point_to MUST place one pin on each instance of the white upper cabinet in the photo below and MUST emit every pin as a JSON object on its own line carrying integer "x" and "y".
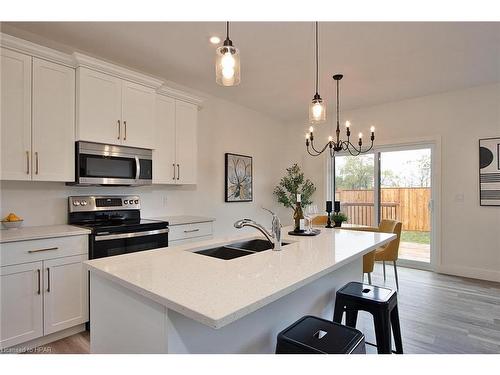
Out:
{"x": 176, "y": 132}
{"x": 138, "y": 113}
{"x": 15, "y": 83}
{"x": 38, "y": 119}
{"x": 53, "y": 122}
{"x": 114, "y": 111}
{"x": 99, "y": 108}
{"x": 164, "y": 168}
{"x": 186, "y": 119}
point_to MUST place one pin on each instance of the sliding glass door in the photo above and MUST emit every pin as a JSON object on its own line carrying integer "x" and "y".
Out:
{"x": 405, "y": 195}
{"x": 392, "y": 183}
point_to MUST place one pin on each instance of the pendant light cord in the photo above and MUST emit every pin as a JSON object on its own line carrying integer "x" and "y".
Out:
{"x": 338, "y": 104}
{"x": 317, "y": 64}
{"x": 227, "y": 30}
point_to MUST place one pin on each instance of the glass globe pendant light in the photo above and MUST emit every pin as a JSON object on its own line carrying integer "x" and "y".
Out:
{"x": 227, "y": 63}
{"x": 317, "y": 108}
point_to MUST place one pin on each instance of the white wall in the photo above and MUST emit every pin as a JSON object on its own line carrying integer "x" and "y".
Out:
{"x": 470, "y": 234}
{"x": 223, "y": 127}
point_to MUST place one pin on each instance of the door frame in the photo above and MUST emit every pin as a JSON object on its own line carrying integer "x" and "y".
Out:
{"x": 434, "y": 143}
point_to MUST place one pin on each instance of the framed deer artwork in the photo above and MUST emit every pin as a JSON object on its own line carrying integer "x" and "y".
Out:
{"x": 239, "y": 178}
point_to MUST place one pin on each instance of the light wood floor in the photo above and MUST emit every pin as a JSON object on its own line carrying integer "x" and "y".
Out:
{"x": 438, "y": 313}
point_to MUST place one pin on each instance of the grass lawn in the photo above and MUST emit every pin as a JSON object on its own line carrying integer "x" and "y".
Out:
{"x": 416, "y": 237}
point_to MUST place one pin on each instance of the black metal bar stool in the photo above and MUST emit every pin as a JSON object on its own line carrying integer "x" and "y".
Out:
{"x": 312, "y": 335}
{"x": 380, "y": 302}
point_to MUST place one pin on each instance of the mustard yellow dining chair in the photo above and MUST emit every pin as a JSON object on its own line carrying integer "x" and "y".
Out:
{"x": 320, "y": 220}
{"x": 388, "y": 252}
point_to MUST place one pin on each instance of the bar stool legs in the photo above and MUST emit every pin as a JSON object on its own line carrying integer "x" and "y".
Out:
{"x": 396, "y": 330}
{"x": 381, "y": 303}
{"x": 383, "y": 262}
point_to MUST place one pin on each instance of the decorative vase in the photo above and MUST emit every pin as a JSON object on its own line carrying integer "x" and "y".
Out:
{"x": 338, "y": 224}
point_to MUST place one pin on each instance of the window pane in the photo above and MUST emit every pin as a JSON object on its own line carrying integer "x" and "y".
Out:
{"x": 354, "y": 181}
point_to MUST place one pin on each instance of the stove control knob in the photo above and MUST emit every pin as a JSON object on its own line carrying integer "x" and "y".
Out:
{"x": 83, "y": 203}
{"x": 76, "y": 203}
{"x": 125, "y": 201}
{"x": 137, "y": 201}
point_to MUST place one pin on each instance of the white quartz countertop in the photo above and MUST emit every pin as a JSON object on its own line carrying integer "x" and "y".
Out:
{"x": 217, "y": 292}
{"x": 39, "y": 232}
{"x": 183, "y": 219}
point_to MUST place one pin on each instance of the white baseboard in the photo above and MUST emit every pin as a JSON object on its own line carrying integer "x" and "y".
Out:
{"x": 470, "y": 272}
{"x": 44, "y": 340}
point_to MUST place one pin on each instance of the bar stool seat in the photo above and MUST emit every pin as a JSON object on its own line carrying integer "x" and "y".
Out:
{"x": 380, "y": 302}
{"x": 313, "y": 335}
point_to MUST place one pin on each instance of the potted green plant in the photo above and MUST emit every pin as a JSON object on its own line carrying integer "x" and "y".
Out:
{"x": 290, "y": 185}
{"x": 338, "y": 218}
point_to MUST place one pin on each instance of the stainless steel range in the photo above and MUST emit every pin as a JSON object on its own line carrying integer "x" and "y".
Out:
{"x": 116, "y": 225}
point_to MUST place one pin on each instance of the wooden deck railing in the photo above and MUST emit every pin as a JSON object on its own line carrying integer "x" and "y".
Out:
{"x": 362, "y": 213}
{"x": 408, "y": 205}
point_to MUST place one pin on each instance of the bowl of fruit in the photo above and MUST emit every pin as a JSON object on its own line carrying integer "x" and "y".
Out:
{"x": 12, "y": 221}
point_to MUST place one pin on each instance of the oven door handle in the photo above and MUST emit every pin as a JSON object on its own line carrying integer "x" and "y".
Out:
{"x": 130, "y": 235}
{"x": 137, "y": 168}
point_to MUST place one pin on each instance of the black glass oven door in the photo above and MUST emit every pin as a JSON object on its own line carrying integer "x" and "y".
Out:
{"x": 104, "y": 246}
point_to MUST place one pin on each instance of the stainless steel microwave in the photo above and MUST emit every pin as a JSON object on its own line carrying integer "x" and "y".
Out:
{"x": 101, "y": 164}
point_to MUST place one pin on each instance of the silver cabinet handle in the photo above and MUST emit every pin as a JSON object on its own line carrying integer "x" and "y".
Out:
{"x": 173, "y": 165}
{"x": 178, "y": 171}
{"x": 36, "y": 162}
{"x": 39, "y": 250}
{"x": 27, "y": 162}
{"x": 192, "y": 230}
{"x": 119, "y": 130}
{"x": 48, "y": 280}
{"x": 125, "y": 135}
{"x": 39, "y": 282}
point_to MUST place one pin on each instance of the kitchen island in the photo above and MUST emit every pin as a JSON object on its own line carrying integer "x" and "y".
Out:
{"x": 173, "y": 300}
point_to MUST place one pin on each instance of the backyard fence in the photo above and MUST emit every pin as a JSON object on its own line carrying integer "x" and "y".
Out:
{"x": 408, "y": 205}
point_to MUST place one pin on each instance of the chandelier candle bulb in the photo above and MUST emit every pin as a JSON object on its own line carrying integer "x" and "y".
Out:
{"x": 330, "y": 138}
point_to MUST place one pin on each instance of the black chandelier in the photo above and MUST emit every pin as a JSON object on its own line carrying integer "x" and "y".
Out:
{"x": 339, "y": 145}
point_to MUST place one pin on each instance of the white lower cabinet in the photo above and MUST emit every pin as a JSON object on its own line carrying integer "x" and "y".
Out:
{"x": 65, "y": 293}
{"x": 186, "y": 233}
{"x": 46, "y": 295}
{"x": 21, "y": 317}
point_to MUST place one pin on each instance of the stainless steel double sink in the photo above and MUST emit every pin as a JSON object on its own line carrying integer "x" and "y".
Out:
{"x": 238, "y": 249}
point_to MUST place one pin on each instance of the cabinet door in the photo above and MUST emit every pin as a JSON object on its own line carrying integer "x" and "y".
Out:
{"x": 15, "y": 123}
{"x": 21, "y": 303}
{"x": 53, "y": 122}
{"x": 186, "y": 120}
{"x": 99, "y": 106}
{"x": 138, "y": 115}
{"x": 164, "y": 169}
{"x": 65, "y": 293}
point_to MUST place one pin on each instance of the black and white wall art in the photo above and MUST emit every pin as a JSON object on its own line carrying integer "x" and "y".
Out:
{"x": 239, "y": 178}
{"x": 489, "y": 171}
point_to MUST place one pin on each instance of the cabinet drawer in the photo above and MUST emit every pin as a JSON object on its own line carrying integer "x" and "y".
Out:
{"x": 185, "y": 231}
{"x": 48, "y": 248}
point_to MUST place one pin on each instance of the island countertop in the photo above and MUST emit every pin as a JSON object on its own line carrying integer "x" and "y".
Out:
{"x": 217, "y": 292}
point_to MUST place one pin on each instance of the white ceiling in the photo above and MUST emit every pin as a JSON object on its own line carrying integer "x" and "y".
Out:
{"x": 381, "y": 62}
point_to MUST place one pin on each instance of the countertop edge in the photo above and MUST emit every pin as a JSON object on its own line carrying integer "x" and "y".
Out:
{"x": 78, "y": 231}
{"x": 218, "y": 323}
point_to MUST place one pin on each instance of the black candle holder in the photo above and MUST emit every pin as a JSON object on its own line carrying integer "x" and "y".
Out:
{"x": 329, "y": 212}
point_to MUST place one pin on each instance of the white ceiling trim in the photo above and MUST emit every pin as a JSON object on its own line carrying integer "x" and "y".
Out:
{"x": 35, "y": 50}
{"x": 115, "y": 70}
{"x": 81, "y": 60}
